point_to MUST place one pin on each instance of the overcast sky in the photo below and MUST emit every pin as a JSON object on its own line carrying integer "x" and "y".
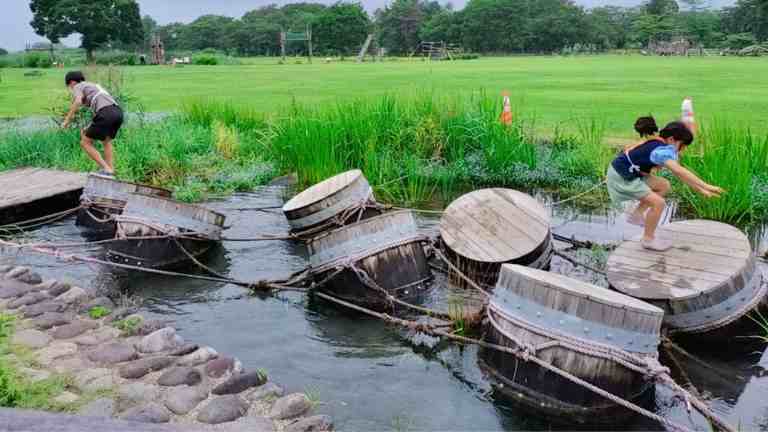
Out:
{"x": 15, "y": 30}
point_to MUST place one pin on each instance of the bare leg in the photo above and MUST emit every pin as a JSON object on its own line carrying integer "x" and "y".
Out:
{"x": 109, "y": 154}
{"x": 658, "y": 185}
{"x": 656, "y": 204}
{"x": 87, "y": 145}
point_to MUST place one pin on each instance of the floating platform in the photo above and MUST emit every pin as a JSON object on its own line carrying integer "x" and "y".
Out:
{"x": 706, "y": 284}
{"x": 28, "y": 193}
{"x": 486, "y": 228}
{"x": 575, "y": 326}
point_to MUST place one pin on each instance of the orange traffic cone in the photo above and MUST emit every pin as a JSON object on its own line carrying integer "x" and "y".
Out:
{"x": 506, "y": 114}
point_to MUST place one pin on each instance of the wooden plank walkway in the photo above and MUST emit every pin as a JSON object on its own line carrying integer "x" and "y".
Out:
{"x": 27, "y": 193}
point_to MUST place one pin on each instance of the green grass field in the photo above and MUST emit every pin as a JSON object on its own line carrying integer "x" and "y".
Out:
{"x": 553, "y": 90}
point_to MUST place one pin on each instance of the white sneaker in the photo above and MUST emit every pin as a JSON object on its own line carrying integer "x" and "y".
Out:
{"x": 632, "y": 216}
{"x": 657, "y": 245}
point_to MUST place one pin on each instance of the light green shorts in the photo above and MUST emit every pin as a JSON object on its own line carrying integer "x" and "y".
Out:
{"x": 621, "y": 189}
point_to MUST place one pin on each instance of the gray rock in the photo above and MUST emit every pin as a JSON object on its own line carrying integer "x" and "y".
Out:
{"x": 29, "y": 277}
{"x": 73, "y": 329}
{"x": 318, "y": 423}
{"x": 5, "y": 269}
{"x": 184, "y": 350}
{"x": 58, "y": 289}
{"x": 182, "y": 375}
{"x": 150, "y": 413}
{"x": 52, "y": 319}
{"x": 136, "y": 393}
{"x": 182, "y": 400}
{"x": 73, "y": 295}
{"x": 16, "y": 272}
{"x": 254, "y": 424}
{"x": 103, "y": 302}
{"x": 113, "y": 353}
{"x": 29, "y": 299}
{"x": 141, "y": 367}
{"x": 161, "y": 340}
{"x": 240, "y": 383}
{"x": 48, "y": 355}
{"x": 221, "y": 366}
{"x": 119, "y": 314}
{"x": 69, "y": 365}
{"x": 103, "y": 407}
{"x": 200, "y": 356}
{"x": 35, "y": 375}
{"x": 31, "y": 338}
{"x": 93, "y": 379}
{"x": 150, "y": 326}
{"x": 291, "y": 406}
{"x": 36, "y": 310}
{"x": 268, "y": 390}
{"x": 13, "y": 289}
{"x": 66, "y": 398}
{"x": 223, "y": 409}
{"x": 98, "y": 337}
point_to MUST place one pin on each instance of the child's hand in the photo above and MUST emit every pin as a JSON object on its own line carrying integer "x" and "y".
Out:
{"x": 710, "y": 191}
{"x": 65, "y": 125}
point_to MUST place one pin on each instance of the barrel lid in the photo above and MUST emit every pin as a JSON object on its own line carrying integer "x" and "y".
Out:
{"x": 574, "y": 287}
{"x": 182, "y": 215}
{"x": 322, "y": 190}
{"x": 494, "y": 225}
{"x": 100, "y": 186}
{"x": 706, "y": 255}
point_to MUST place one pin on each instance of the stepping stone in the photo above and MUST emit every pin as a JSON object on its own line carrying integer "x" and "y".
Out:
{"x": 36, "y": 310}
{"x": 240, "y": 383}
{"x": 35, "y": 375}
{"x": 253, "y": 424}
{"x": 94, "y": 380}
{"x": 136, "y": 393}
{"x": 202, "y": 355}
{"x": 119, "y": 314}
{"x": 17, "y": 272}
{"x": 150, "y": 413}
{"x": 223, "y": 409}
{"x": 73, "y": 329}
{"x": 58, "y": 289}
{"x": 103, "y": 407}
{"x": 182, "y": 400}
{"x": 184, "y": 350}
{"x": 98, "y": 337}
{"x": 164, "y": 339}
{"x": 52, "y": 319}
{"x": 319, "y": 423}
{"x": 291, "y": 406}
{"x": 29, "y": 277}
{"x": 268, "y": 390}
{"x": 48, "y": 355}
{"x": 221, "y": 366}
{"x": 151, "y": 326}
{"x": 28, "y": 299}
{"x": 139, "y": 368}
{"x": 73, "y": 295}
{"x": 31, "y": 339}
{"x": 113, "y": 353}
{"x": 69, "y": 365}
{"x": 66, "y": 398}
{"x": 11, "y": 289}
{"x": 182, "y": 375}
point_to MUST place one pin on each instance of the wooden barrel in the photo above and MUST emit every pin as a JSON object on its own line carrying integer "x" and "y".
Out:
{"x": 388, "y": 248}
{"x": 533, "y": 307}
{"x": 146, "y": 216}
{"x": 706, "y": 284}
{"x": 331, "y": 203}
{"x": 104, "y": 197}
{"x": 486, "y": 228}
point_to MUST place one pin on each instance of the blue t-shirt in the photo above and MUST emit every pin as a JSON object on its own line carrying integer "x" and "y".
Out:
{"x": 662, "y": 154}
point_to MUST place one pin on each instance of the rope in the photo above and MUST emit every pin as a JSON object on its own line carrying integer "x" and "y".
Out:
{"x": 577, "y": 196}
{"x": 458, "y": 272}
{"x": 44, "y": 220}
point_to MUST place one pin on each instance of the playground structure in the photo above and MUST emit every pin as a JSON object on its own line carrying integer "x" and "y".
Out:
{"x": 438, "y": 50}
{"x": 305, "y": 36}
{"x": 158, "y": 51}
{"x": 676, "y": 47}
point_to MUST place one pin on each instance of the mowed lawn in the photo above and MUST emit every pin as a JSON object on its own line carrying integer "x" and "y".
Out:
{"x": 551, "y": 90}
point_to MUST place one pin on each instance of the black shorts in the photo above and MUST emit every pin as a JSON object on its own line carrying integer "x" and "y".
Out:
{"x": 105, "y": 124}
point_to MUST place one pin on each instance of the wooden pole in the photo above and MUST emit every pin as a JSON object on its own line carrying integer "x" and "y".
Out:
{"x": 309, "y": 41}
{"x": 282, "y": 45}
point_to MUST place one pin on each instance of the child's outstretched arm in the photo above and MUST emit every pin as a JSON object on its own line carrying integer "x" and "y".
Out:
{"x": 693, "y": 180}
{"x": 71, "y": 114}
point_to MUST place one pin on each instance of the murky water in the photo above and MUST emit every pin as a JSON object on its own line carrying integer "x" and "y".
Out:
{"x": 370, "y": 376}
{"x": 42, "y": 122}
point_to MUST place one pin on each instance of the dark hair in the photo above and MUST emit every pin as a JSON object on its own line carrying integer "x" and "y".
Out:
{"x": 75, "y": 76}
{"x": 679, "y": 131}
{"x": 646, "y": 126}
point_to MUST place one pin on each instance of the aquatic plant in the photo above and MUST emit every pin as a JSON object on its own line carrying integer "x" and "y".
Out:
{"x": 129, "y": 326}
{"x": 98, "y": 312}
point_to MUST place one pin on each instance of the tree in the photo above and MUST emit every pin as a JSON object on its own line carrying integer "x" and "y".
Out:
{"x": 150, "y": 27}
{"x": 208, "y": 31}
{"x": 399, "y": 23}
{"x": 647, "y": 28}
{"x": 100, "y": 22}
{"x": 341, "y": 28}
{"x": 610, "y": 26}
{"x": 3, "y": 52}
{"x": 661, "y": 7}
{"x": 747, "y": 16}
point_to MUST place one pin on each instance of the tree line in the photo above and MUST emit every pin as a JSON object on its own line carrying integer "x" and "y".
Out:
{"x": 483, "y": 26}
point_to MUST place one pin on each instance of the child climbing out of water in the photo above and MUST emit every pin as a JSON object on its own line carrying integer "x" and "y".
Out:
{"x": 630, "y": 176}
{"x": 106, "y": 123}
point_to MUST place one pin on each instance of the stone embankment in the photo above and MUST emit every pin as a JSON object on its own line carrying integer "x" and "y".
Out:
{"x": 120, "y": 365}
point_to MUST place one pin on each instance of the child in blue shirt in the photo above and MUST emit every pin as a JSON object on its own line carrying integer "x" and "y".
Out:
{"x": 630, "y": 177}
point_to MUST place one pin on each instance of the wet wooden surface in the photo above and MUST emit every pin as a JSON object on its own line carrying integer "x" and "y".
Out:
{"x": 705, "y": 256}
{"x": 26, "y": 185}
{"x": 494, "y": 225}
{"x": 323, "y": 189}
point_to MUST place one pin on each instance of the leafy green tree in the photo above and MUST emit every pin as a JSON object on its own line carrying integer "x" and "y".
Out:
{"x": 610, "y": 26}
{"x": 446, "y": 26}
{"x": 100, "y": 22}
{"x": 150, "y": 27}
{"x": 3, "y": 52}
{"x": 661, "y": 7}
{"x": 747, "y": 16}
{"x": 341, "y": 28}
{"x": 647, "y": 28}
{"x": 208, "y": 31}
{"x": 740, "y": 40}
{"x": 400, "y": 22}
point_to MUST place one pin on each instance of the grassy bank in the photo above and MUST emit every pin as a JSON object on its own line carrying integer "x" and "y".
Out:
{"x": 554, "y": 89}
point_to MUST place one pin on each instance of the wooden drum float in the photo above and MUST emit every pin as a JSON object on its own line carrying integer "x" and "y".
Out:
{"x": 707, "y": 284}
{"x": 386, "y": 248}
{"x": 569, "y": 322}
{"x": 198, "y": 229}
{"x": 484, "y": 229}
{"x": 346, "y": 197}
{"x": 105, "y": 197}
